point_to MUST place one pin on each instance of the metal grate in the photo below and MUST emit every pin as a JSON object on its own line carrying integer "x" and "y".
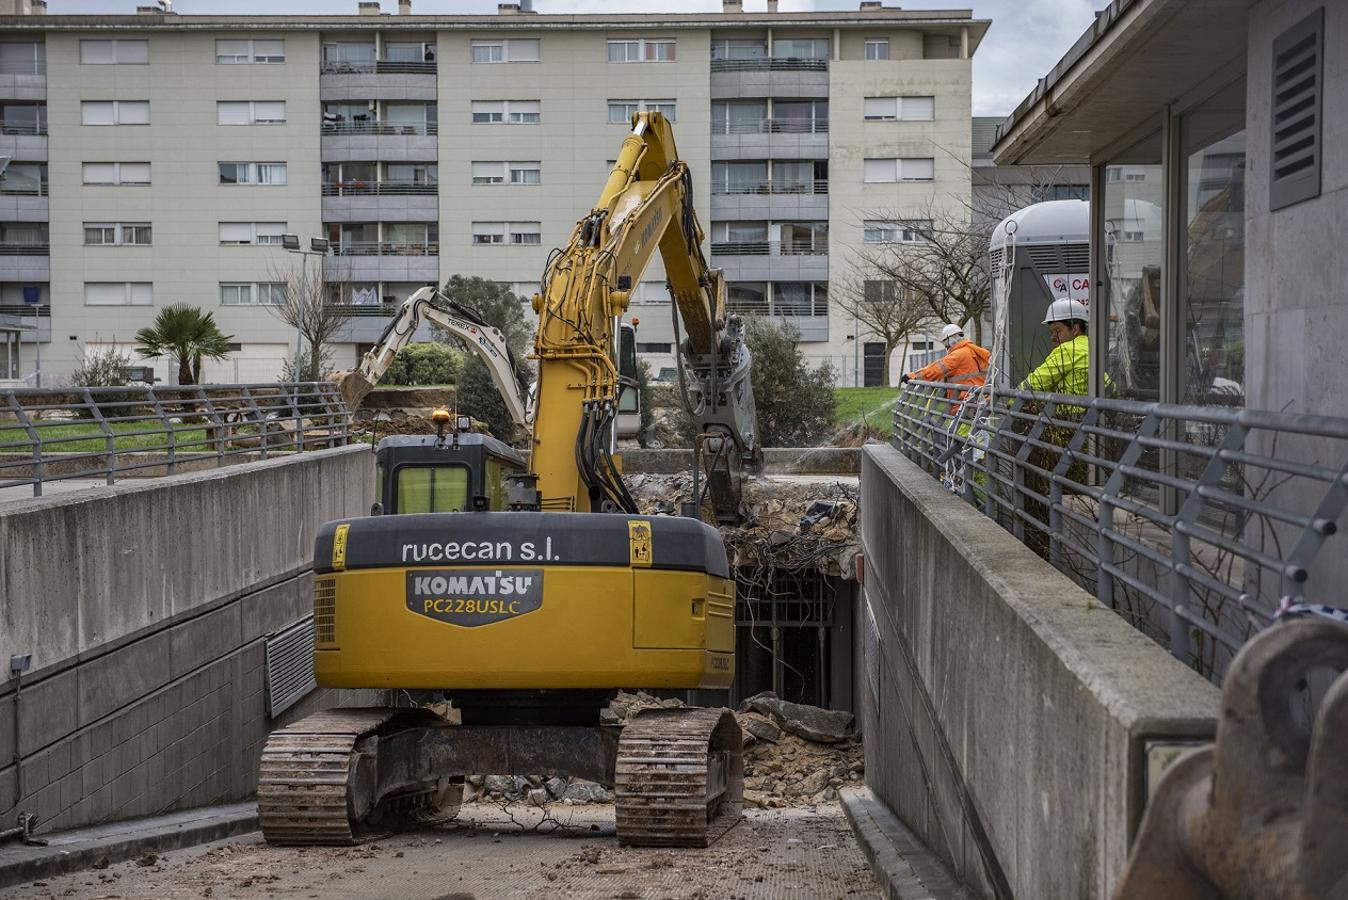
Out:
{"x": 1298, "y": 89}
{"x": 1065, "y": 258}
{"x": 290, "y": 666}
{"x": 325, "y": 610}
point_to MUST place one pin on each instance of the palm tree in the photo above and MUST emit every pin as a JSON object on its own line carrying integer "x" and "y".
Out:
{"x": 187, "y": 334}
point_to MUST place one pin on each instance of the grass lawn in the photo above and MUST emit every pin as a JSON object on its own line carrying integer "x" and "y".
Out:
{"x": 14, "y": 439}
{"x": 871, "y": 404}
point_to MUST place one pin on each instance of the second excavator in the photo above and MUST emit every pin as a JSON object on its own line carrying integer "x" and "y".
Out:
{"x": 526, "y": 593}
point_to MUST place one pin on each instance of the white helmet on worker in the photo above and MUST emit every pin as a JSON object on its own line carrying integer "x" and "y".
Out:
{"x": 1065, "y": 310}
{"x": 951, "y": 334}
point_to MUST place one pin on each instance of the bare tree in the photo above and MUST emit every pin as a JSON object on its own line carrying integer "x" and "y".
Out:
{"x": 886, "y": 311}
{"x": 316, "y": 307}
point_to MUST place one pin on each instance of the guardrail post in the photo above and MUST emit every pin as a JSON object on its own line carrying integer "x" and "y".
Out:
{"x": 217, "y": 424}
{"x": 170, "y": 436}
{"x": 1065, "y": 460}
{"x": 257, "y": 417}
{"x": 109, "y": 441}
{"x": 1104, "y": 547}
{"x": 33, "y": 437}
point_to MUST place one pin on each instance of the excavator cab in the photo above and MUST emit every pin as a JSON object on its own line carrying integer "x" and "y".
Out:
{"x": 629, "y": 395}
{"x": 458, "y": 472}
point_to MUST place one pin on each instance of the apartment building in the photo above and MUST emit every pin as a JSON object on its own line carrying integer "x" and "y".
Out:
{"x": 159, "y": 158}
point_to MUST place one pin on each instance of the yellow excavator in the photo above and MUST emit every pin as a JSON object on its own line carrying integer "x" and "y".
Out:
{"x": 527, "y": 593}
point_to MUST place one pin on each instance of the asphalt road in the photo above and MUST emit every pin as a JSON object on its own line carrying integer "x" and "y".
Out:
{"x": 784, "y": 854}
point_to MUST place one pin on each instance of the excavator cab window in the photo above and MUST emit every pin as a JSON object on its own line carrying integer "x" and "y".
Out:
{"x": 432, "y": 489}
{"x": 628, "y": 399}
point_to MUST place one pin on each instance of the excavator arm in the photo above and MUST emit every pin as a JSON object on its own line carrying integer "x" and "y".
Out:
{"x": 646, "y": 206}
{"x": 422, "y": 306}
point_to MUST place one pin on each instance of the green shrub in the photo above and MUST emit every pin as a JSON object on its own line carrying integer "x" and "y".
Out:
{"x": 476, "y": 395}
{"x": 424, "y": 364}
{"x": 105, "y": 368}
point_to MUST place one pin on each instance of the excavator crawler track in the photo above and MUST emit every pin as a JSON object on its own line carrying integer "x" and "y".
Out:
{"x": 318, "y": 782}
{"x": 680, "y": 777}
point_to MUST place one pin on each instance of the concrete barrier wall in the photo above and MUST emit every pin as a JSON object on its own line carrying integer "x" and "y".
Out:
{"x": 1007, "y": 715}
{"x": 146, "y": 607}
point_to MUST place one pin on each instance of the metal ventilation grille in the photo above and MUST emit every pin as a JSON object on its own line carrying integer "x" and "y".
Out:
{"x": 325, "y": 610}
{"x": 996, "y": 259}
{"x": 1077, "y": 257}
{"x": 1298, "y": 88}
{"x": 290, "y": 666}
{"x": 1061, "y": 259}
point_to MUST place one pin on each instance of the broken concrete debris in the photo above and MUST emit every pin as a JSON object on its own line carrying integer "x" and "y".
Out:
{"x": 794, "y": 755}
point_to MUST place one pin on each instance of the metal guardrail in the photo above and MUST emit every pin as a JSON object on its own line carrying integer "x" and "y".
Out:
{"x": 83, "y": 432}
{"x": 773, "y": 64}
{"x": 22, "y": 128}
{"x": 1197, "y": 523}
{"x": 27, "y": 310}
{"x": 25, "y": 249}
{"x": 27, "y": 67}
{"x": 378, "y": 67}
{"x": 18, "y": 187}
{"x": 387, "y": 248}
{"x": 378, "y": 188}
{"x": 772, "y": 126}
{"x": 770, "y": 248}
{"x": 817, "y": 186}
{"x": 378, "y": 128}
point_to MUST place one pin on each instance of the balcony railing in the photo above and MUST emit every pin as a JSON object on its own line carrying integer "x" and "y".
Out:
{"x": 806, "y": 247}
{"x": 378, "y": 128}
{"x": 816, "y": 308}
{"x": 378, "y": 188}
{"x": 365, "y": 310}
{"x": 387, "y": 248}
{"x": 772, "y": 126}
{"x": 26, "y": 310}
{"x": 23, "y": 128}
{"x": 817, "y": 186}
{"x": 23, "y": 189}
{"x": 24, "y": 67}
{"x": 24, "y": 249}
{"x": 377, "y": 67}
{"x": 774, "y": 64}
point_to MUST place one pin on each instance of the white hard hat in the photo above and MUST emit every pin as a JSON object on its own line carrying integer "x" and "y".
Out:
{"x": 950, "y": 331}
{"x": 1065, "y": 310}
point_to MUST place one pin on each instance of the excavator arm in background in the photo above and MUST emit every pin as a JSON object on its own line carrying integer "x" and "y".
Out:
{"x": 430, "y": 305}
{"x": 646, "y": 205}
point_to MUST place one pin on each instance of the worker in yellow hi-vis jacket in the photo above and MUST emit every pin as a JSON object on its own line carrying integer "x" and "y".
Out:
{"x": 1067, "y": 368}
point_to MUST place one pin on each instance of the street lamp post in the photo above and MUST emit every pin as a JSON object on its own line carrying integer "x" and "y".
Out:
{"x": 317, "y": 247}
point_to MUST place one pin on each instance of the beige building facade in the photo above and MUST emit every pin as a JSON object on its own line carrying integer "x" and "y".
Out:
{"x": 158, "y": 158}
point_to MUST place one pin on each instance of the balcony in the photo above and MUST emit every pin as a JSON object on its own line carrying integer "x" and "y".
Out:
{"x": 26, "y": 262}
{"x": 751, "y": 78}
{"x": 24, "y": 140}
{"x": 23, "y": 202}
{"x": 381, "y": 201}
{"x": 25, "y": 80}
{"x": 377, "y": 80}
{"x": 774, "y": 138}
{"x": 363, "y": 141}
{"x": 798, "y": 260}
{"x": 772, "y": 201}
{"x": 373, "y": 261}
{"x": 24, "y": 316}
{"x": 815, "y": 186}
{"x": 365, "y": 323}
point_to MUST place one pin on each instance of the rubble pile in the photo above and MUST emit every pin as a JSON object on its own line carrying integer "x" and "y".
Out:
{"x": 790, "y": 523}
{"x": 794, "y": 755}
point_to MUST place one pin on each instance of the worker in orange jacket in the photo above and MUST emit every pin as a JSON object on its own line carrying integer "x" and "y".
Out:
{"x": 964, "y": 363}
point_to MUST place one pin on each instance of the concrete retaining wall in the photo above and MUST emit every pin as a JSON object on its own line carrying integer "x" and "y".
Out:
{"x": 146, "y": 607}
{"x": 1007, "y": 715}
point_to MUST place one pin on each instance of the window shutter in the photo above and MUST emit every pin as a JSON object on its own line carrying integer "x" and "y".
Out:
{"x": 879, "y": 169}
{"x": 232, "y": 112}
{"x": 1298, "y": 91}
{"x": 236, "y": 233}
{"x": 879, "y": 107}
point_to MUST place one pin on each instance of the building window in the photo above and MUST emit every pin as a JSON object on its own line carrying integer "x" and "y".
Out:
{"x": 252, "y": 294}
{"x": 494, "y": 172}
{"x": 251, "y": 233}
{"x": 123, "y": 173}
{"x": 620, "y": 112}
{"x": 120, "y": 52}
{"x": 748, "y": 298}
{"x": 250, "y": 112}
{"x": 739, "y": 48}
{"x": 115, "y": 112}
{"x": 911, "y": 232}
{"x": 739, "y": 238}
{"x": 899, "y": 109}
{"x": 252, "y": 173}
{"x": 26, "y": 58}
{"x": 800, "y": 48}
{"x": 891, "y": 169}
{"x": 1062, "y": 192}
{"x": 739, "y": 178}
{"x": 520, "y": 233}
{"x": 641, "y": 50}
{"x": 23, "y": 118}
{"x": 877, "y": 48}
{"x": 506, "y": 112}
{"x": 799, "y": 298}
{"x": 506, "y": 51}
{"x": 655, "y": 347}
{"x": 242, "y": 53}
{"x": 117, "y": 234}
{"x": 118, "y": 293}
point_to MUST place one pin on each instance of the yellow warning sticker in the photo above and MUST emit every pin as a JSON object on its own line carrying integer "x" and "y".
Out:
{"x": 639, "y": 543}
{"x": 339, "y": 547}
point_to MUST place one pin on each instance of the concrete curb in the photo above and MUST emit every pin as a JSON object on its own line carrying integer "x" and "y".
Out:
{"x": 72, "y": 851}
{"x": 905, "y": 869}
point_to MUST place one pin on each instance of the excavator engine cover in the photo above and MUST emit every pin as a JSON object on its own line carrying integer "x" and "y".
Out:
{"x": 522, "y": 600}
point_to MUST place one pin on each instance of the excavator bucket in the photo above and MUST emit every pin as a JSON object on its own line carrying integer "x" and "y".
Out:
{"x": 354, "y": 388}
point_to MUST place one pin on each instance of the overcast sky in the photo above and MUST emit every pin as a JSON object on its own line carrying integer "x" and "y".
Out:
{"x": 1026, "y": 39}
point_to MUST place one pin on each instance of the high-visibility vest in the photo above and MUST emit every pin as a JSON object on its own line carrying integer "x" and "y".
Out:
{"x": 1066, "y": 370}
